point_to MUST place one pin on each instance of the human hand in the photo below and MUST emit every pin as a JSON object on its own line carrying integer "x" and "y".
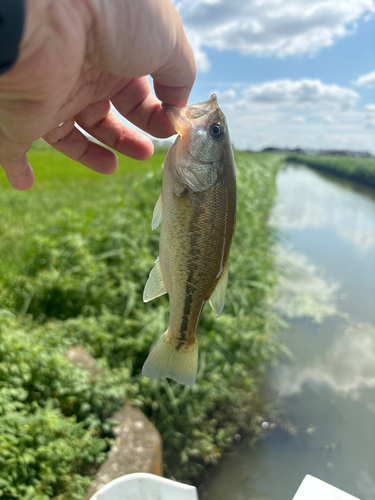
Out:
{"x": 78, "y": 56}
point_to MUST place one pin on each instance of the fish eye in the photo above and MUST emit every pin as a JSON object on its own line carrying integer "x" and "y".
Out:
{"x": 217, "y": 130}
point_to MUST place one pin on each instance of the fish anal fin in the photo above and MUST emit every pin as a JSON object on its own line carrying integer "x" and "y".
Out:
{"x": 158, "y": 210}
{"x": 155, "y": 286}
{"x": 167, "y": 360}
{"x": 217, "y": 299}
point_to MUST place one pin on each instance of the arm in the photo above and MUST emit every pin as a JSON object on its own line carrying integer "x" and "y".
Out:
{"x": 76, "y": 57}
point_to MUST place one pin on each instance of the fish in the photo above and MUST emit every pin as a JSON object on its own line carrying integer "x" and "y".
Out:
{"x": 197, "y": 212}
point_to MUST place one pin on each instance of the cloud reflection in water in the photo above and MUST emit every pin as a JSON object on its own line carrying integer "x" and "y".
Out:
{"x": 347, "y": 367}
{"x": 303, "y": 289}
{"x": 309, "y": 201}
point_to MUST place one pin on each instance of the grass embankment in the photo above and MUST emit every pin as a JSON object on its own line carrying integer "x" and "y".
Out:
{"x": 361, "y": 170}
{"x": 76, "y": 252}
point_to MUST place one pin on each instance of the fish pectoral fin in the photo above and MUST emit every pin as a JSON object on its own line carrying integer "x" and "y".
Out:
{"x": 199, "y": 177}
{"x": 156, "y": 218}
{"x": 155, "y": 285}
{"x": 217, "y": 299}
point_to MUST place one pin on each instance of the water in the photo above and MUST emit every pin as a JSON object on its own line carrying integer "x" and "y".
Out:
{"x": 327, "y": 390}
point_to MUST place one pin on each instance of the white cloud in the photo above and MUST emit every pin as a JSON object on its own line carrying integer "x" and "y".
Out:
{"x": 301, "y": 94}
{"x": 268, "y": 27}
{"x": 200, "y": 56}
{"x": 324, "y": 116}
{"x": 298, "y": 119}
{"x": 226, "y": 94}
{"x": 367, "y": 80}
{"x": 369, "y": 115}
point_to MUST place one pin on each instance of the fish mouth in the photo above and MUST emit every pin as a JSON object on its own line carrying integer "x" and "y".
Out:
{"x": 183, "y": 118}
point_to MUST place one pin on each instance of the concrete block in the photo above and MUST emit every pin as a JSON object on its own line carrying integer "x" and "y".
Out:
{"x": 138, "y": 448}
{"x": 79, "y": 356}
{"x": 138, "y": 445}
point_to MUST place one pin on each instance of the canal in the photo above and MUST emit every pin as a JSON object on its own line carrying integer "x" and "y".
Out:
{"x": 323, "y": 393}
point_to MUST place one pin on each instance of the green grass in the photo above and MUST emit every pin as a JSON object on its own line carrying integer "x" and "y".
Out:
{"x": 76, "y": 253}
{"x": 60, "y": 183}
{"x": 361, "y": 170}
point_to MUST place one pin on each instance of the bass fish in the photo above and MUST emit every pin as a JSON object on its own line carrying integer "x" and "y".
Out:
{"x": 197, "y": 211}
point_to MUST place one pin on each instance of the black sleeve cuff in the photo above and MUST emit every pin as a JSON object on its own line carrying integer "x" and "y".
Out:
{"x": 12, "y": 21}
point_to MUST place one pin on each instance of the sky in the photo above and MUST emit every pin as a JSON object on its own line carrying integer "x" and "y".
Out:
{"x": 287, "y": 73}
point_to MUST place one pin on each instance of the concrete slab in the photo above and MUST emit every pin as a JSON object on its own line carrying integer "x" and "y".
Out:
{"x": 138, "y": 448}
{"x": 138, "y": 445}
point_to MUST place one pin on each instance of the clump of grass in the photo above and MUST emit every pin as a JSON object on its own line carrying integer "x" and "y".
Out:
{"x": 79, "y": 256}
{"x": 54, "y": 421}
{"x": 361, "y": 170}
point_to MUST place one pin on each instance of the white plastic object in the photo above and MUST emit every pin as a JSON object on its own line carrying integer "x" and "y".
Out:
{"x": 143, "y": 486}
{"x": 313, "y": 489}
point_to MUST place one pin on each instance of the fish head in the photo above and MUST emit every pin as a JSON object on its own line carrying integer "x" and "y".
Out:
{"x": 203, "y": 132}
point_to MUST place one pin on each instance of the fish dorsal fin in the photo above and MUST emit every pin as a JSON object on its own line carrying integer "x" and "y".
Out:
{"x": 217, "y": 299}
{"x": 199, "y": 177}
{"x": 155, "y": 285}
{"x": 156, "y": 218}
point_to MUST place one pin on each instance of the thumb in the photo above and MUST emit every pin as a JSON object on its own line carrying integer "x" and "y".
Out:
{"x": 174, "y": 80}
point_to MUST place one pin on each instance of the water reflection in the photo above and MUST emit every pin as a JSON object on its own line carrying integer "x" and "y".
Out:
{"x": 303, "y": 289}
{"x": 366, "y": 484}
{"x": 327, "y": 388}
{"x": 349, "y": 213}
{"x": 346, "y": 368}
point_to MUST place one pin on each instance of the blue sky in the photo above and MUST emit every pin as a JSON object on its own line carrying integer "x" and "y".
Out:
{"x": 287, "y": 72}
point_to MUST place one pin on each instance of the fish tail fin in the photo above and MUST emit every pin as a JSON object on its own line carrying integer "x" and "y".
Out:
{"x": 166, "y": 359}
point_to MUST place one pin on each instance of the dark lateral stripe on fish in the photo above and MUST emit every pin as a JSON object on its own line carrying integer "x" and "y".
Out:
{"x": 195, "y": 234}
{"x": 190, "y": 289}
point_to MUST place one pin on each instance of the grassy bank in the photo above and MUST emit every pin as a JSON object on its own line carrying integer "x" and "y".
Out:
{"x": 361, "y": 170}
{"x": 75, "y": 254}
